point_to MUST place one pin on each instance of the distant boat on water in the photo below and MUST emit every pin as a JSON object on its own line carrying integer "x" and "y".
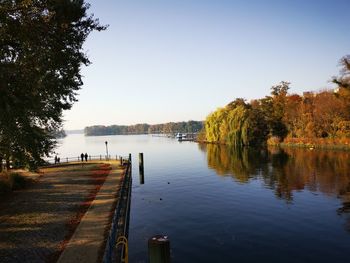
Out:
{"x": 181, "y": 136}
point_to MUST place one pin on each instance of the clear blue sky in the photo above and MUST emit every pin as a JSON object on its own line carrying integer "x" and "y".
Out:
{"x": 162, "y": 61}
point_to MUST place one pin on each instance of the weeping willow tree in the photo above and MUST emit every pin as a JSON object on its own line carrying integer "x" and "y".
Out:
{"x": 213, "y": 123}
{"x": 237, "y": 124}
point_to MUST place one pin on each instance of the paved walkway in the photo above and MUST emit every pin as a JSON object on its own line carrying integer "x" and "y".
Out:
{"x": 88, "y": 242}
{"x": 35, "y": 223}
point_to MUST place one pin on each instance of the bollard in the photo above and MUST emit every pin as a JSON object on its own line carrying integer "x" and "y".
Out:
{"x": 159, "y": 249}
{"x": 141, "y": 160}
{"x": 142, "y": 177}
{"x": 141, "y": 170}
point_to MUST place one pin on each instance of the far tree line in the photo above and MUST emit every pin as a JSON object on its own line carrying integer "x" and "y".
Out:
{"x": 144, "y": 128}
{"x": 283, "y": 117}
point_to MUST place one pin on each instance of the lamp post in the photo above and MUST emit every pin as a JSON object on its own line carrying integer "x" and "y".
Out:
{"x": 106, "y": 149}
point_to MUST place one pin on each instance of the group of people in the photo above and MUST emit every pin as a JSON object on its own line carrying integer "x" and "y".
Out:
{"x": 57, "y": 159}
{"x": 84, "y": 156}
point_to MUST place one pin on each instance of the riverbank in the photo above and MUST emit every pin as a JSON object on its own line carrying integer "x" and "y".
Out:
{"x": 37, "y": 223}
{"x": 318, "y": 143}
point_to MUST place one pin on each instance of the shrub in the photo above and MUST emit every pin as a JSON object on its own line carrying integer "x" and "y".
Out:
{"x": 5, "y": 187}
{"x": 17, "y": 181}
{"x": 10, "y": 182}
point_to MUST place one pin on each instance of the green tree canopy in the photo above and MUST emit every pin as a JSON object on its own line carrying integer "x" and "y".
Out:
{"x": 41, "y": 56}
{"x": 237, "y": 124}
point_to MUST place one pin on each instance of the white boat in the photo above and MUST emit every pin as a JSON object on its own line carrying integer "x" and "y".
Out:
{"x": 181, "y": 136}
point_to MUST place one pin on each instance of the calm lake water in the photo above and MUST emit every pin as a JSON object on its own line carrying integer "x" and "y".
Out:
{"x": 221, "y": 205}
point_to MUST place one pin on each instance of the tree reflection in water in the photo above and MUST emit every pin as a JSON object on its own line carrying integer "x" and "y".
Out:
{"x": 286, "y": 170}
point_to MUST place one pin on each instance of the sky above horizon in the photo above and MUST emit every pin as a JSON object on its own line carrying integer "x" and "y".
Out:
{"x": 162, "y": 61}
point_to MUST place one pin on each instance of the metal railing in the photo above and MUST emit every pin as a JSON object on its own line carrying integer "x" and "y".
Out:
{"x": 120, "y": 222}
{"x": 100, "y": 157}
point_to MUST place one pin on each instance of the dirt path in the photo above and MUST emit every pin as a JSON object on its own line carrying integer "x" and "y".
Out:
{"x": 36, "y": 223}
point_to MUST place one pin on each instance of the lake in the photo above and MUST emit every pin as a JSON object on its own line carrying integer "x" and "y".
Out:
{"x": 218, "y": 204}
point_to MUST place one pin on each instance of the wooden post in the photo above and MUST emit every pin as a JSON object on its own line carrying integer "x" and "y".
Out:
{"x": 121, "y": 160}
{"x": 67, "y": 159}
{"x": 159, "y": 249}
{"x": 142, "y": 177}
{"x": 141, "y": 170}
{"x": 141, "y": 160}
{"x": 129, "y": 157}
{"x": 100, "y": 157}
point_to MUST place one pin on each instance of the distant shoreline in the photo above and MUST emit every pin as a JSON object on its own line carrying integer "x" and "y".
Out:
{"x": 74, "y": 131}
{"x": 144, "y": 128}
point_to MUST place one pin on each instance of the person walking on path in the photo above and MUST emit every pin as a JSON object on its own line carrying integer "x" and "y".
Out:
{"x": 86, "y": 156}
{"x": 82, "y": 157}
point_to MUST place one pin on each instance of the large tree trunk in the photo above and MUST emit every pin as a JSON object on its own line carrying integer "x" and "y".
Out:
{"x": 7, "y": 163}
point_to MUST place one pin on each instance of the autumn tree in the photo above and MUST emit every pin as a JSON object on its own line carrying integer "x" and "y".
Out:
{"x": 323, "y": 114}
{"x": 329, "y": 111}
{"x": 292, "y": 116}
{"x": 273, "y": 108}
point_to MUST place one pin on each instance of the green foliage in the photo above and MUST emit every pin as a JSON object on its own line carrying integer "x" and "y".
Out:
{"x": 60, "y": 133}
{"x": 237, "y": 124}
{"x": 40, "y": 59}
